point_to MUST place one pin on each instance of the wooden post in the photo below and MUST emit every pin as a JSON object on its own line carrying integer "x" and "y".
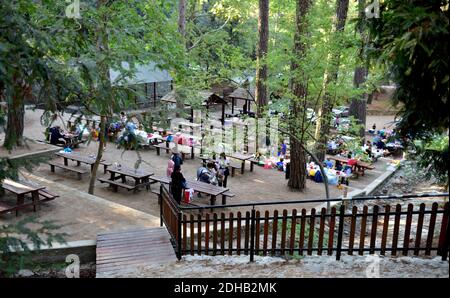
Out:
{"x": 252, "y": 236}
{"x": 179, "y": 251}
{"x": 340, "y": 232}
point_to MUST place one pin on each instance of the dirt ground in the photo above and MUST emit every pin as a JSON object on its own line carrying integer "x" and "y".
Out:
{"x": 88, "y": 215}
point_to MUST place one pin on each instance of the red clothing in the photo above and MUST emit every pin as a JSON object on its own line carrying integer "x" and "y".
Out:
{"x": 352, "y": 162}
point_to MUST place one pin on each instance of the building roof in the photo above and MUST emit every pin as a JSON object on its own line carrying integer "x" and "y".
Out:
{"x": 149, "y": 73}
{"x": 209, "y": 98}
{"x": 241, "y": 93}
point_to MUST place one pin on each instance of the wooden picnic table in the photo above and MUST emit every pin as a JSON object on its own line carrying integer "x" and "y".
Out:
{"x": 241, "y": 157}
{"x": 141, "y": 177}
{"x": 360, "y": 165}
{"x": 202, "y": 187}
{"x": 20, "y": 189}
{"x": 82, "y": 159}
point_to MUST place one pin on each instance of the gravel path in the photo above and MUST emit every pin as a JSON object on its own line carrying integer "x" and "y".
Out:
{"x": 310, "y": 266}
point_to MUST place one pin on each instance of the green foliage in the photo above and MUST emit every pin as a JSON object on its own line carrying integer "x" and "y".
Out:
{"x": 17, "y": 239}
{"x": 411, "y": 38}
{"x": 433, "y": 158}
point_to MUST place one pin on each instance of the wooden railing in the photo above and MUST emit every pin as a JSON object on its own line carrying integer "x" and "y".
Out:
{"x": 385, "y": 229}
{"x": 170, "y": 216}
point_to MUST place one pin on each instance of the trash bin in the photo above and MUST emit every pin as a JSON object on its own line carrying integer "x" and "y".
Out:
{"x": 288, "y": 170}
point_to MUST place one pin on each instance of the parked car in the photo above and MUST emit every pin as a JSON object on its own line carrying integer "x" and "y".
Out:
{"x": 311, "y": 114}
{"x": 341, "y": 111}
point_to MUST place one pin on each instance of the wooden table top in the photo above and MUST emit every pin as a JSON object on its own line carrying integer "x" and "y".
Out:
{"x": 81, "y": 158}
{"x": 19, "y": 188}
{"x": 345, "y": 160}
{"x": 131, "y": 172}
{"x": 196, "y": 185}
{"x": 239, "y": 156}
{"x": 77, "y": 157}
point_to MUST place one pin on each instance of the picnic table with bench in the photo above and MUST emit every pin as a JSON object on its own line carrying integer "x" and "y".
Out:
{"x": 79, "y": 159}
{"x": 21, "y": 189}
{"x": 233, "y": 165}
{"x": 202, "y": 187}
{"x": 140, "y": 177}
{"x": 242, "y": 158}
{"x": 166, "y": 147}
{"x": 360, "y": 165}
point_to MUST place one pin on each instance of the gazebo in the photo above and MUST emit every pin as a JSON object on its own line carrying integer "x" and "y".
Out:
{"x": 209, "y": 99}
{"x": 243, "y": 96}
{"x": 147, "y": 77}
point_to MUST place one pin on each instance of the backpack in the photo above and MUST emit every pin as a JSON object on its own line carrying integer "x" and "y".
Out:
{"x": 318, "y": 177}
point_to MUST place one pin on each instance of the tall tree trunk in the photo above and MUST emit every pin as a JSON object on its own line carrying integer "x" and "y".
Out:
{"x": 358, "y": 105}
{"x": 182, "y": 31}
{"x": 297, "y": 179}
{"x": 182, "y": 17}
{"x": 102, "y": 46}
{"x": 15, "y": 114}
{"x": 262, "y": 49}
{"x": 324, "y": 121}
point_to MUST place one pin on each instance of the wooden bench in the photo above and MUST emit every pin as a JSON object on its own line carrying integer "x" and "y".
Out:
{"x": 77, "y": 170}
{"x": 160, "y": 146}
{"x": 234, "y": 167}
{"x": 47, "y": 196}
{"x": 115, "y": 184}
{"x": 225, "y": 195}
{"x": 105, "y": 165}
{"x": 5, "y": 208}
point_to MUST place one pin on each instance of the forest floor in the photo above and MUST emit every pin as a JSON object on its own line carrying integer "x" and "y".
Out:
{"x": 83, "y": 216}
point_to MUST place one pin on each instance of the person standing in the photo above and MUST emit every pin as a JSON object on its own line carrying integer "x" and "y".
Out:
{"x": 177, "y": 184}
{"x": 176, "y": 157}
{"x": 224, "y": 171}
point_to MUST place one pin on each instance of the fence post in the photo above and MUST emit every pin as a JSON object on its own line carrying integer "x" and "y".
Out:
{"x": 252, "y": 235}
{"x": 340, "y": 232}
{"x": 179, "y": 252}
{"x": 446, "y": 247}
{"x": 160, "y": 206}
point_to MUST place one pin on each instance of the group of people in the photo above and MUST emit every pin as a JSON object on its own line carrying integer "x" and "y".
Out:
{"x": 57, "y": 136}
{"x": 216, "y": 172}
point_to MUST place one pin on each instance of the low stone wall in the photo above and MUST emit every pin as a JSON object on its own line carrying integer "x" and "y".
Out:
{"x": 84, "y": 249}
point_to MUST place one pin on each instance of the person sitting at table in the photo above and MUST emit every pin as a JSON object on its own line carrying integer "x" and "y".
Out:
{"x": 380, "y": 144}
{"x": 373, "y": 130}
{"x": 280, "y": 164}
{"x": 338, "y": 166}
{"x": 206, "y": 174}
{"x": 56, "y": 136}
{"x": 177, "y": 184}
{"x": 123, "y": 118}
{"x": 328, "y": 163}
{"x": 351, "y": 162}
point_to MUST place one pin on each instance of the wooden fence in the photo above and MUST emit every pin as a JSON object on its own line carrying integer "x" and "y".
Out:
{"x": 384, "y": 229}
{"x": 170, "y": 216}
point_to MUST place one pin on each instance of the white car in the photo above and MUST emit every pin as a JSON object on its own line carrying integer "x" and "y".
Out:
{"x": 311, "y": 114}
{"x": 341, "y": 111}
